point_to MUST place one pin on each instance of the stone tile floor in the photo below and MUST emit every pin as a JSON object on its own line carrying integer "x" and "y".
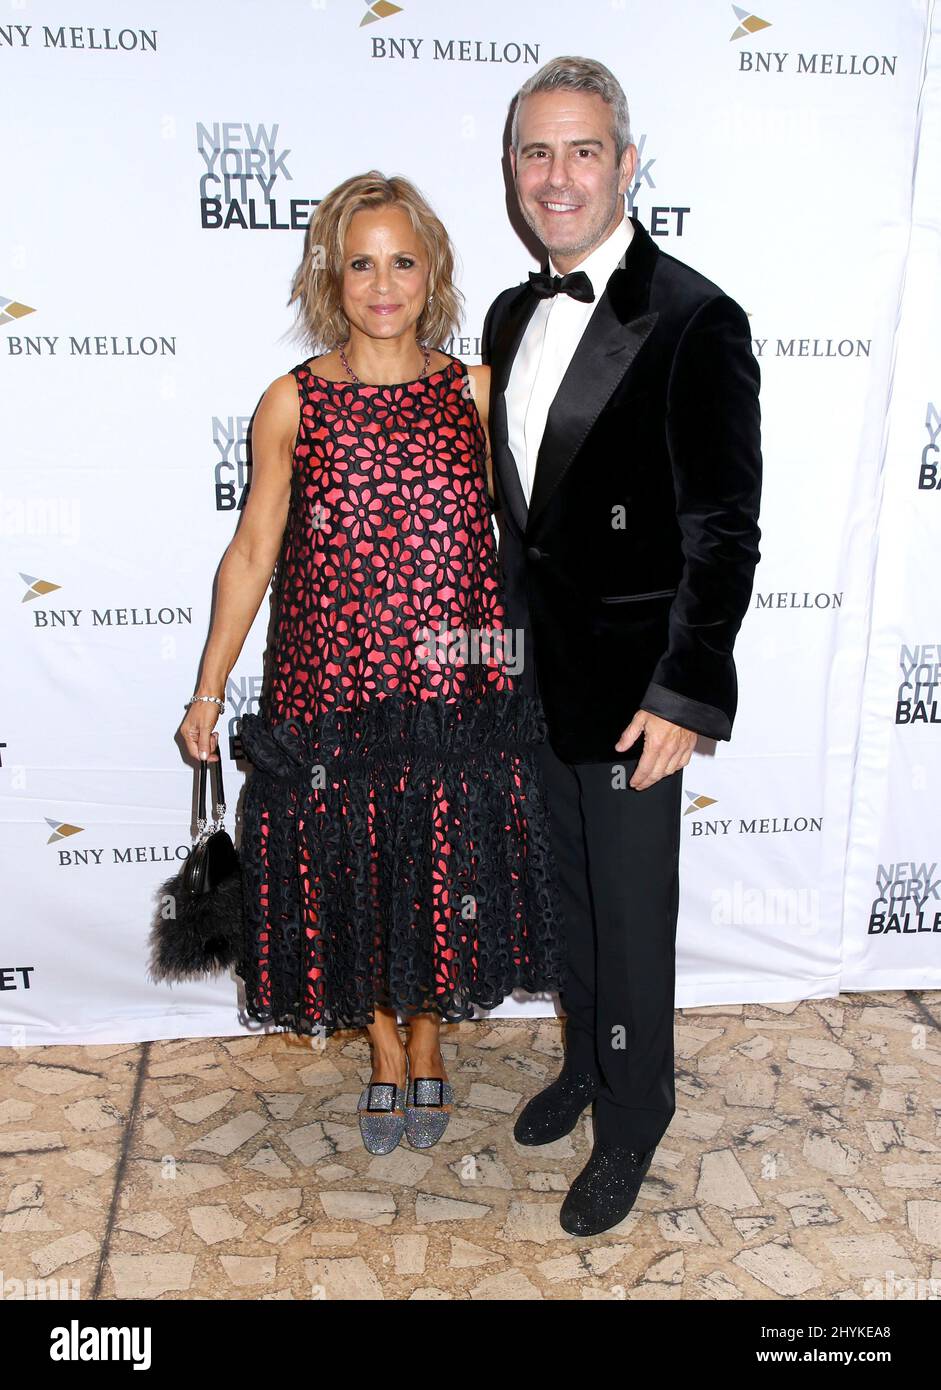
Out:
{"x": 804, "y": 1161}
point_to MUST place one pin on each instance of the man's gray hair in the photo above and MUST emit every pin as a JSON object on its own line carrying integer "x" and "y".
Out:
{"x": 578, "y": 75}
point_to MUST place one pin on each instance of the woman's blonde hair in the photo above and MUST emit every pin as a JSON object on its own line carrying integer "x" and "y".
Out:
{"x": 318, "y": 280}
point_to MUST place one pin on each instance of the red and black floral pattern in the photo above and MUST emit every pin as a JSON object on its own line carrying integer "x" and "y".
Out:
{"x": 394, "y": 847}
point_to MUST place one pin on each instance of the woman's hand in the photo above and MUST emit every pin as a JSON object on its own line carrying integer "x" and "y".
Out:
{"x": 202, "y": 739}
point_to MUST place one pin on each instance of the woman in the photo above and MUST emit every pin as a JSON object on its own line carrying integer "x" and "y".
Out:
{"x": 394, "y": 847}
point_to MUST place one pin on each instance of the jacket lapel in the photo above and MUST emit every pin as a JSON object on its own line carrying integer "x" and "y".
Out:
{"x": 504, "y": 353}
{"x": 616, "y": 331}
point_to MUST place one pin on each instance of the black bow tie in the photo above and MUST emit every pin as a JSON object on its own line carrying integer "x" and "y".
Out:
{"x": 576, "y": 284}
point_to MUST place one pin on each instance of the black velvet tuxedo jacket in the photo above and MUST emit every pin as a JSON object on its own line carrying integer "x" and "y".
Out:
{"x": 631, "y": 569}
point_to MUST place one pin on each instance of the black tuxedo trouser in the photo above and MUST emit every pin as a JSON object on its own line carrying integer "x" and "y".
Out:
{"x": 617, "y": 852}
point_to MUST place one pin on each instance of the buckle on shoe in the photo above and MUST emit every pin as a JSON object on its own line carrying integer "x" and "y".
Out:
{"x": 429, "y": 1081}
{"x": 380, "y": 1086}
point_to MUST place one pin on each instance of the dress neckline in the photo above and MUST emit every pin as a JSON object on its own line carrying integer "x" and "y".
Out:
{"x": 384, "y": 385}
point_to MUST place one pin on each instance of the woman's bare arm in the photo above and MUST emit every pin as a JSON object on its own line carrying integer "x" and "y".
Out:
{"x": 250, "y": 558}
{"x": 480, "y": 389}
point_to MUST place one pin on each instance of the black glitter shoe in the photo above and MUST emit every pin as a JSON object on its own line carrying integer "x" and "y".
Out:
{"x": 605, "y": 1189}
{"x": 554, "y": 1112}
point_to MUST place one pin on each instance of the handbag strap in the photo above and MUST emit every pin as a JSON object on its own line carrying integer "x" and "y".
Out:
{"x": 219, "y": 796}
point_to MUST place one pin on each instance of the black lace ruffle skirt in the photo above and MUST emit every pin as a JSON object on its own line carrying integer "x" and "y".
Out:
{"x": 396, "y": 855}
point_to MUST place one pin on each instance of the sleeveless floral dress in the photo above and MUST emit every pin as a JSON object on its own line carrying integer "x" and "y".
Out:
{"x": 395, "y": 848}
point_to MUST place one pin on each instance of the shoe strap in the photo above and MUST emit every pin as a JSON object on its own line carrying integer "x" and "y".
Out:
{"x": 386, "y": 1090}
{"x": 428, "y": 1090}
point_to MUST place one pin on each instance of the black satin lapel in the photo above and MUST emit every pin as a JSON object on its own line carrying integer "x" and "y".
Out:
{"x": 508, "y": 483}
{"x": 605, "y": 352}
{"x": 505, "y": 347}
{"x": 509, "y": 335}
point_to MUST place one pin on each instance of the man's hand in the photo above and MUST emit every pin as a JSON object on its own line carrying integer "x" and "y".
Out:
{"x": 667, "y": 747}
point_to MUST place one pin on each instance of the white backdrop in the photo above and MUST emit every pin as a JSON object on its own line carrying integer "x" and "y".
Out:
{"x": 793, "y": 156}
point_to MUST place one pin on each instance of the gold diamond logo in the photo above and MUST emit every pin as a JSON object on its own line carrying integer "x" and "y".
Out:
{"x": 12, "y": 309}
{"x": 38, "y": 588}
{"x": 748, "y": 23}
{"x": 381, "y": 9}
{"x": 61, "y": 829}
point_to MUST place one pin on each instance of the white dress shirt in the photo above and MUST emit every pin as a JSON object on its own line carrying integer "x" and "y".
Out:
{"x": 548, "y": 346}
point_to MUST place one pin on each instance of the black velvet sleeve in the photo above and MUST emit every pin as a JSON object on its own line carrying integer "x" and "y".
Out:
{"x": 713, "y": 426}
{"x": 486, "y": 334}
{"x": 491, "y": 319}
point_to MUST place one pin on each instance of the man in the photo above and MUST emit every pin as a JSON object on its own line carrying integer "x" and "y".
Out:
{"x": 625, "y": 432}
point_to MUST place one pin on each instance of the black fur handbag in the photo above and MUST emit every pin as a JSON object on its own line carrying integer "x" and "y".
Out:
{"x": 198, "y": 927}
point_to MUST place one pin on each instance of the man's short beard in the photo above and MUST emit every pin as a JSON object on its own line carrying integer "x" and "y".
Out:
{"x": 588, "y": 241}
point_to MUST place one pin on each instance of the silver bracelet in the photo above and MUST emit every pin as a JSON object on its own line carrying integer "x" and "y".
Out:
{"x": 213, "y": 699}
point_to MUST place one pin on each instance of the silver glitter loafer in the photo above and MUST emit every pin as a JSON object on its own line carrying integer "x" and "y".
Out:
{"x": 381, "y": 1110}
{"x": 428, "y": 1104}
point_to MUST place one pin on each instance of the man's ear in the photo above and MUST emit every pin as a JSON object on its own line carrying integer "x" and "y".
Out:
{"x": 513, "y": 163}
{"x": 628, "y": 167}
